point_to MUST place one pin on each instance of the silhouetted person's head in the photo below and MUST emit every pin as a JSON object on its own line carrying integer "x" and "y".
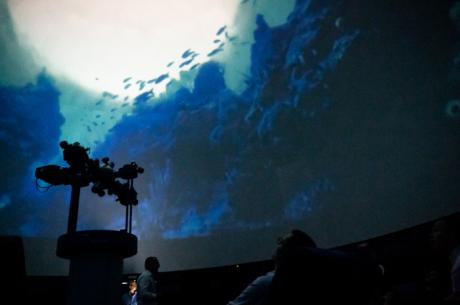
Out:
{"x": 152, "y": 264}
{"x": 296, "y": 238}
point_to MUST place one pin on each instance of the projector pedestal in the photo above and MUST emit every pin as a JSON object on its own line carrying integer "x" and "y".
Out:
{"x": 96, "y": 264}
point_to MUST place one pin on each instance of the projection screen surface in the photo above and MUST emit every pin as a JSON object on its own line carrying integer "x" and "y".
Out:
{"x": 250, "y": 118}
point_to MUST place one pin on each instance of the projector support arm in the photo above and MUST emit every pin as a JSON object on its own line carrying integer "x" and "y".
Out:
{"x": 128, "y": 218}
{"x": 73, "y": 210}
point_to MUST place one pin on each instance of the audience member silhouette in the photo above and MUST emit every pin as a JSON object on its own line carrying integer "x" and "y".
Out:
{"x": 306, "y": 275}
{"x": 440, "y": 283}
{"x": 147, "y": 291}
{"x": 129, "y": 297}
{"x": 445, "y": 242}
{"x": 257, "y": 291}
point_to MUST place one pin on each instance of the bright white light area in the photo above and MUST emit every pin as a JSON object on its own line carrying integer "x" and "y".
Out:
{"x": 100, "y": 43}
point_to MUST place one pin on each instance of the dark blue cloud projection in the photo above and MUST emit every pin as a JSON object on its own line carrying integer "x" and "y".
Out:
{"x": 345, "y": 123}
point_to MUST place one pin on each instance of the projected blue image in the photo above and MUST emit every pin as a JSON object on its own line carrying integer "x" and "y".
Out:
{"x": 338, "y": 118}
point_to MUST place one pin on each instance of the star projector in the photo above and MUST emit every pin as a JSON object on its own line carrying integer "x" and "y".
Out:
{"x": 96, "y": 256}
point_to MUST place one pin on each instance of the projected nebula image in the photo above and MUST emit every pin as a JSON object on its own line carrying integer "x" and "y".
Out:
{"x": 341, "y": 118}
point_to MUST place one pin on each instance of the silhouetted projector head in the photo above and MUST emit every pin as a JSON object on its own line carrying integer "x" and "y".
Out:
{"x": 84, "y": 170}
